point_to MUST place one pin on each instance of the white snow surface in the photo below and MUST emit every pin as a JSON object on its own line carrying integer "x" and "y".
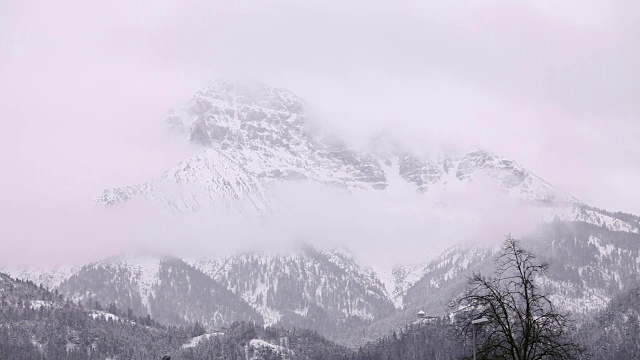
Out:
{"x": 108, "y": 316}
{"x": 37, "y": 304}
{"x": 258, "y": 344}
{"x": 320, "y": 281}
{"x": 49, "y": 277}
{"x": 144, "y": 271}
{"x": 193, "y": 342}
{"x": 589, "y": 216}
{"x": 389, "y": 282}
{"x": 403, "y": 278}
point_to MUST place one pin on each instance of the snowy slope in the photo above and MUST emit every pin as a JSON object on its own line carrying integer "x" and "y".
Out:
{"x": 595, "y": 217}
{"x": 309, "y": 286}
{"x": 262, "y": 350}
{"x": 194, "y": 341}
{"x": 166, "y": 288}
{"x": 49, "y": 277}
{"x": 403, "y": 278}
{"x": 589, "y": 264}
{"x": 251, "y": 137}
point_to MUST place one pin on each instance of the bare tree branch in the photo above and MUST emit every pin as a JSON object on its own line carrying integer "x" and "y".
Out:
{"x": 523, "y": 323}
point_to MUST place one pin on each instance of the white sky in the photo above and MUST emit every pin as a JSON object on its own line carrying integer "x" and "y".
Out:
{"x": 84, "y": 86}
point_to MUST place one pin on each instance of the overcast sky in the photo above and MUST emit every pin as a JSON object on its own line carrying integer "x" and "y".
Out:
{"x": 84, "y": 86}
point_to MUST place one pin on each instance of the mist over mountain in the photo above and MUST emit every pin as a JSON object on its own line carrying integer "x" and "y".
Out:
{"x": 306, "y": 180}
{"x": 257, "y": 135}
{"x": 267, "y": 169}
{"x": 265, "y": 175}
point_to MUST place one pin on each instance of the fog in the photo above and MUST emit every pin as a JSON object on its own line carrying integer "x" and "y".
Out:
{"x": 85, "y": 87}
{"x": 380, "y": 229}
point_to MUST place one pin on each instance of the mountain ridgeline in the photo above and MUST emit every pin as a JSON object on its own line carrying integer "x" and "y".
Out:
{"x": 253, "y": 137}
{"x": 589, "y": 263}
{"x": 168, "y": 289}
{"x": 329, "y": 292}
{"x": 324, "y": 290}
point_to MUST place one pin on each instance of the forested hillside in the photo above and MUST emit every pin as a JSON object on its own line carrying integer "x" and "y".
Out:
{"x": 615, "y": 332}
{"x": 167, "y": 289}
{"x": 38, "y": 324}
{"x": 243, "y": 340}
{"x": 434, "y": 339}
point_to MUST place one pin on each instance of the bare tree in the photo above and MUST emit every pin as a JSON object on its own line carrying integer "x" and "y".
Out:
{"x": 523, "y": 323}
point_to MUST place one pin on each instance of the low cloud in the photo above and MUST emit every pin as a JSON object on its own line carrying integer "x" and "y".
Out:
{"x": 86, "y": 87}
{"x": 381, "y": 228}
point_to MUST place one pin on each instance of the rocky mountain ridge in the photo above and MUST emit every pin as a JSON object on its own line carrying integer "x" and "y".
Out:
{"x": 255, "y": 136}
{"x": 167, "y": 289}
{"x": 310, "y": 287}
{"x": 590, "y": 263}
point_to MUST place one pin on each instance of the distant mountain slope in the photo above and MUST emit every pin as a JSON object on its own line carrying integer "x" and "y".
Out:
{"x": 615, "y": 332}
{"x": 38, "y": 324}
{"x": 329, "y": 292}
{"x": 49, "y": 277}
{"x": 325, "y": 290}
{"x": 170, "y": 290}
{"x": 589, "y": 264}
{"x": 608, "y": 225}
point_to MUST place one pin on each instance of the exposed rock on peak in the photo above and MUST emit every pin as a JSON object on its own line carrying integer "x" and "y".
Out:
{"x": 254, "y": 136}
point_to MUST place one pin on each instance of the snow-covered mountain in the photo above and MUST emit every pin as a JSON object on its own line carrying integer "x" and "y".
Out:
{"x": 310, "y": 287}
{"x": 321, "y": 289}
{"x": 255, "y": 136}
{"x": 251, "y": 137}
{"x": 40, "y": 324}
{"x": 459, "y": 259}
{"x": 327, "y": 290}
{"x": 589, "y": 264}
{"x": 50, "y": 277}
{"x": 166, "y": 288}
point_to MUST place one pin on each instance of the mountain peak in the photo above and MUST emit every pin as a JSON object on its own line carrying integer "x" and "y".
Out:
{"x": 255, "y": 136}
